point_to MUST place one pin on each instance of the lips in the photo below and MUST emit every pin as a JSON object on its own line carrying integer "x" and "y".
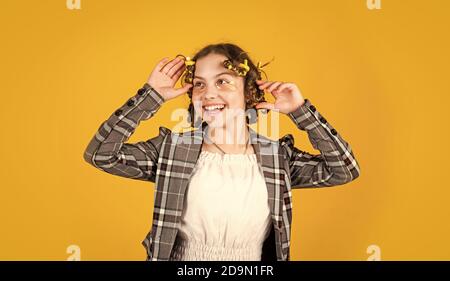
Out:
{"x": 213, "y": 109}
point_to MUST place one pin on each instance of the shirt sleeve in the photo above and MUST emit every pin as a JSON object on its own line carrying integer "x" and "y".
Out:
{"x": 336, "y": 163}
{"x": 108, "y": 150}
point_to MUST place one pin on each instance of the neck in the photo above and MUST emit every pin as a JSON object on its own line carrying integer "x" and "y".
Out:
{"x": 230, "y": 139}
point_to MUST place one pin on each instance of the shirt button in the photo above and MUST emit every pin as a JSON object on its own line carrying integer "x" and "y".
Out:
{"x": 130, "y": 103}
{"x": 141, "y": 91}
{"x": 333, "y": 131}
{"x": 323, "y": 120}
{"x": 118, "y": 112}
{"x": 313, "y": 108}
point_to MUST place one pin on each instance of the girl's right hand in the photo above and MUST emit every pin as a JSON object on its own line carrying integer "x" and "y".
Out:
{"x": 165, "y": 75}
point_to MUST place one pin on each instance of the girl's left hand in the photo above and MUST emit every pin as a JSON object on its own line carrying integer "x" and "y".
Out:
{"x": 287, "y": 96}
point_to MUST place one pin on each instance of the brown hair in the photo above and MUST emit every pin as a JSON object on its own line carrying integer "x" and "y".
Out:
{"x": 252, "y": 94}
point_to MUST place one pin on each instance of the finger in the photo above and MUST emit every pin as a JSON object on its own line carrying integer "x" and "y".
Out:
{"x": 182, "y": 90}
{"x": 177, "y": 74}
{"x": 266, "y": 105}
{"x": 274, "y": 86}
{"x": 258, "y": 81}
{"x": 265, "y": 85}
{"x": 282, "y": 87}
{"x": 163, "y": 69}
{"x": 181, "y": 57}
{"x": 169, "y": 65}
{"x": 175, "y": 68}
{"x": 161, "y": 63}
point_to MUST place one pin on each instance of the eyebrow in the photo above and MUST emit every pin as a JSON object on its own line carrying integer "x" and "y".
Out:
{"x": 225, "y": 72}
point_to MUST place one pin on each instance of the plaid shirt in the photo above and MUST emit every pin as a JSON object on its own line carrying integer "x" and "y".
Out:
{"x": 168, "y": 160}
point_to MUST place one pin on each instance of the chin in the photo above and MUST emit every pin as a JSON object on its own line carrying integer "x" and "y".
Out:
{"x": 215, "y": 123}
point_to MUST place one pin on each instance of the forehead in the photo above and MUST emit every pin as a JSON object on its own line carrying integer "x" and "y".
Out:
{"x": 211, "y": 65}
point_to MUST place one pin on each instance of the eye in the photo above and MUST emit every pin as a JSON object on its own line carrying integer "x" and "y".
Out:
{"x": 223, "y": 80}
{"x": 196, "y": 84}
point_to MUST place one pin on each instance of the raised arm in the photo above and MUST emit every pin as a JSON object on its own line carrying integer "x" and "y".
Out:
{"x": 336, "y": 163}
{"x": 108, "y": 150}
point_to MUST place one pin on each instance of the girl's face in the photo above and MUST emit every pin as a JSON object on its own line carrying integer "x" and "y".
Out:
{"x": 217, "y": 92}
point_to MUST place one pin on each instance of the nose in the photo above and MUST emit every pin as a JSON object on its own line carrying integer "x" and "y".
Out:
{"x": 211, "y": 94}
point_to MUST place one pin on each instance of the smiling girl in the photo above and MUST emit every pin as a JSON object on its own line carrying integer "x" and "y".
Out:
{"x": 222, "y": 191}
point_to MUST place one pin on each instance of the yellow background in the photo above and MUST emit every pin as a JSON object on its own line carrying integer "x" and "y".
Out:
{"x": 380, "y": 77}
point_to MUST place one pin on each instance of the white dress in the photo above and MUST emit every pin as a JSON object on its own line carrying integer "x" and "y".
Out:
{"x": 226, "y": 214}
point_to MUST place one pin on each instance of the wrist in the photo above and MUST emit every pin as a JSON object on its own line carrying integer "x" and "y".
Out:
{"x": 149, "y": 87}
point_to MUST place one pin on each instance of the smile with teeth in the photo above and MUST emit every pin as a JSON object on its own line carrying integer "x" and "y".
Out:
{"x": 214, "y": 108}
